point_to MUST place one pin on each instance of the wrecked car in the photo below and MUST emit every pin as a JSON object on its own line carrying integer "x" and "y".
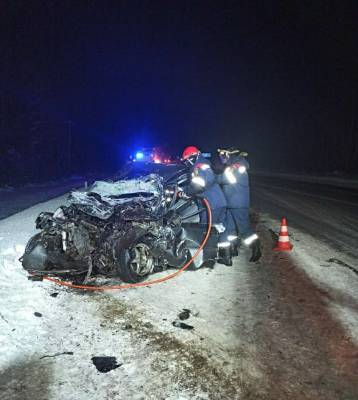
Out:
{"x": 127, "y": 228}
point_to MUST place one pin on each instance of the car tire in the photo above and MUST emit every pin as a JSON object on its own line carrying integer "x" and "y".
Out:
{"x": 127, "y": 267}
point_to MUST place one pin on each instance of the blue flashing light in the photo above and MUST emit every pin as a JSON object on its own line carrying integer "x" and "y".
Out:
{"x": 139, "y": 155}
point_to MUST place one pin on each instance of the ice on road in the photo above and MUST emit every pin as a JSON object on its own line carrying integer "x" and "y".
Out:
{"x": 285, "y": 328}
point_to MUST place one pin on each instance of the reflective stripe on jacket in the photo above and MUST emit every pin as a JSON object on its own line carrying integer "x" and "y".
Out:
{"x": 235, "y": 182}
{"x": 204, "y": 183}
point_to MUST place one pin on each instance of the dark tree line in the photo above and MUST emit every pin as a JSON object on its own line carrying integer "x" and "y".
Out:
{"x": 33, "y": 147}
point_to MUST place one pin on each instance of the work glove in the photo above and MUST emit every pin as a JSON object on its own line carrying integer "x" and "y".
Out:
{"x": 255, "y": 247}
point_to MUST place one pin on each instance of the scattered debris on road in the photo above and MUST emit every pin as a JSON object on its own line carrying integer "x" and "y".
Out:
{"x": 185, "y": 314}
{"x": 3, "y": 318}
{"x": 69, "y": 353}
{"x": 127, "y": 327}
{"x": 182, "y": 325}
{"x": 105, "y": 364}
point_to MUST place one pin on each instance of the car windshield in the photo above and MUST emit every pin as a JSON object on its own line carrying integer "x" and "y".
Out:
{"x": 167, "y": 171}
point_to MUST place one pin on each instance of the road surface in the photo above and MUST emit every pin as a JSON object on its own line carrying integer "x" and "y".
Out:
{"x": 328, "y": 213}
{"x": 284, "y": 328}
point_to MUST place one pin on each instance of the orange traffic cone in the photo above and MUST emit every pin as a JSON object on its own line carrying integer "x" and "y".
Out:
{"x": 283, "y": 243}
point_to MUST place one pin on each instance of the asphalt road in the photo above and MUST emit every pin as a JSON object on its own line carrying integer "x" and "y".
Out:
{"x": 327, "y": 213}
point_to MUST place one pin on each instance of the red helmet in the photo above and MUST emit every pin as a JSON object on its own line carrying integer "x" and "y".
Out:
{"x": 190, "y": 151}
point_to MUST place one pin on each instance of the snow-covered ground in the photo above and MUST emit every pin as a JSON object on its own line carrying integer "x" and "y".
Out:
{"x": 286, "y": 328}
{"x": 13, "y": 200}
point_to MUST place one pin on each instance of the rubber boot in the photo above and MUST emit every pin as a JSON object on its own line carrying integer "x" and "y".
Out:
{"x": 224, "y": 254}
{"x": 234, "y": 249}
{"x": 225, "y": 261}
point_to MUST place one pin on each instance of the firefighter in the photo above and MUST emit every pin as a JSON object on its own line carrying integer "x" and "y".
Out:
{"x": 204, "y": 185}
{"x": 234, "y": 181}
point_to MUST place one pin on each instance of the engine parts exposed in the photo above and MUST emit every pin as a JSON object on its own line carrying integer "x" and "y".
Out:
{"x": 127, "y": 229}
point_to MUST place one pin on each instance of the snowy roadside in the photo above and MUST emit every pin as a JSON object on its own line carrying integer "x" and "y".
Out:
{"x": 284, "y": 328}
{"x": 321, "y": 180}
{"x": 13, "y": 200}
{"x": 50, "y": 340}
{"x": 334, "y": 272}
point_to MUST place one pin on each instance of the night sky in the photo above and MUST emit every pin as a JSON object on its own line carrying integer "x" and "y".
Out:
{"x": 278, "y": 79}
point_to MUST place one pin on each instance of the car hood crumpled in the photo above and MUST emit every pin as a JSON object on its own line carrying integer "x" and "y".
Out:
{"x": 124, "y": 190}
{"x": 103, "y": 196}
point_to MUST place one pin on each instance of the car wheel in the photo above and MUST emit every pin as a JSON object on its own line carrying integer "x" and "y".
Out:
{"x": 135, "y": 263}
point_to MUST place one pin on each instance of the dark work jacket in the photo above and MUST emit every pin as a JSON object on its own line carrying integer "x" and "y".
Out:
{"x": 237, "y": 194}
{"x": 211, "y": 191}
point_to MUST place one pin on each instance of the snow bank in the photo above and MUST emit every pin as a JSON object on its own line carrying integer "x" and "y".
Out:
{"x": 13, "y": 200}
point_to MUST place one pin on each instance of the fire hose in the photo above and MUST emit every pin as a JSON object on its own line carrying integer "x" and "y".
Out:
{"x": 146, "y": 283}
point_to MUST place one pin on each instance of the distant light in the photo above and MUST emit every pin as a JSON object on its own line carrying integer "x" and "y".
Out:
{"x": 139, "y": 155}
{"x": 157, "y": 160}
